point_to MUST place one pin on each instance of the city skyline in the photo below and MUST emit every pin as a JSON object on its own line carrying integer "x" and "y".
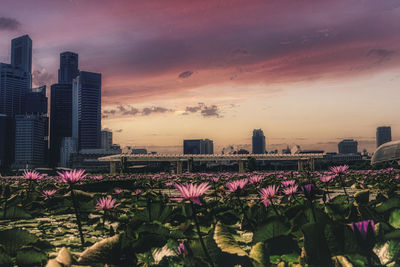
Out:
{"x": 303, "y": 79}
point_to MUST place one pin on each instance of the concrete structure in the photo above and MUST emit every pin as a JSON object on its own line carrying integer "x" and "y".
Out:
{"x": 123, "y": 159}
{"x": 106, "y": 139}
{"x": 7, "y": 141}
{"x": 383, "y": 135}
{"x": 348, "y": 146}
{"x": 88, "y": 159}
{"x": 68, "y": 67}
{"x": 86, "y": 110}
{"x": 258, "y": 142}
{"x": 198, "y": 146}
{"x": 388, "y": 152}
{"x": 30, "y": 141}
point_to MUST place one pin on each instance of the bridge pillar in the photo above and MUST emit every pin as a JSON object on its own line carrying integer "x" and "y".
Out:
{"x": 179, "y": 167}
{"x": 312, "y": 164}
{"x": 113, "y": 167}
{"x": 241, "y": 166}
{"x": 189, "y": 165}
{"x": 300, "y": 165}
{"x": 124, "y": 165}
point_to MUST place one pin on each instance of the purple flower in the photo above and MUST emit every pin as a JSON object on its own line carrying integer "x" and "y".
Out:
{"x": 327, "y": 179}
{"x": 235, "y": 185}
{"x": 32, "y": 175}
{"x": 181, "y": 249}
{"x": 106, "y": 203}
{"x": 49, "y": 193}
{"x": 192, "y": 192}
{"x": 268, "y": 193}
{"x": 362, "y": 227}
{"x": 288, "y": 183}
{"x": 339, "y": 169}
{"x": 308, "y": 188}
{"x": 290, "y": 190}
{"x": 73, "y": 176}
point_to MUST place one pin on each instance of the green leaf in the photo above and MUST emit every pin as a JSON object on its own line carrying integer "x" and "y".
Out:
{"x": 392, "y": 235}
{"x": 30, "y": 256}
{"x": 362, "y": 197}
{"x": 291, "y": 258}
{"x": 270, "y": 230}
{"x": 357, "y": 260}
{"x": 226, "y": 242}
{"x": 315, "y": 245}
{"x": 388, "y": 205}
{"x": 258, "y": 255}
{"x": 13, "y": 239}
{"x": 394, "y": 219}
{"x": 5, "y": 260}
{"x": 16, "y": 213}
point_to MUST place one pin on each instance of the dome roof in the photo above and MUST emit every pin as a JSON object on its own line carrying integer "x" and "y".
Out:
{"x": 387, "y": 152}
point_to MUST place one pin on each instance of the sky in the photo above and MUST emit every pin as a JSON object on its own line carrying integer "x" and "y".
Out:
{"x": 306, "y": 72}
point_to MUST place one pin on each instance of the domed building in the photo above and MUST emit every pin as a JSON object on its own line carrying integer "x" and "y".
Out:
{"x": 387, "y": 152}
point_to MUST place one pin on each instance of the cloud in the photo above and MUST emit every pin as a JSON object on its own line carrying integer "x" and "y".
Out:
{"x": 128, "y": 110}
{"x": 119, "y": 131}
{"x": 205, "y": 111}
{"x": 185, "y": 74}
{"x": 380, "y": 54}
{"x": 42, "y": 77}
{"x": 9, "y": 24}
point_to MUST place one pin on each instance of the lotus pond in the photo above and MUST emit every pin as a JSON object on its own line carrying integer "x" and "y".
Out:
{"x": 334, "y": 218}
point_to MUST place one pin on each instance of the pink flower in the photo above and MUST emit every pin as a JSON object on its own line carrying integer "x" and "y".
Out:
{"x": 290, "y": 190}
{"x": 192, "y": 192}
{"x": 99, "y": 177}
{"x": 235, "y": 185}
{"x": 288, "y": 183}
{"x": 181, "y": 249}
{"x": 32, "y": 175}
{"x": 339, "y": 169}
{"x": 256, "y": 179}
{"x": 268, "y": 193}
{"x": 327, "y": 179}
{"x": 49, "y": 193}
{"x": 106, "y": 203}
{"x": 73, "y": 176}
{"x": 118, "y": 191}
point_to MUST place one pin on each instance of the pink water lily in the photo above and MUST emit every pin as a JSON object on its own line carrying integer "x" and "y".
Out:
{"x": 73, "y": 176}
{"x": 49, "y": 193}
{"x": 106, "y": 203}
{"x": 339, "y": 169}
{"x": 32, "y": 175}
{"x": 290, "y": 190}
{"x": 362, "y": 227}
{"x": 237, "y": 184}
{"x": 288, "y": 183}
{"x": 192, "y": 192}
{"x": 268, "y": 193}
{"x": 327, "y": 178}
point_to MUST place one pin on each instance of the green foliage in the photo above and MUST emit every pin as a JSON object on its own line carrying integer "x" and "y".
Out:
{"x": 30, "y": 256}
{"x": 13, "y": 239}
{"x": 394, "y": 219}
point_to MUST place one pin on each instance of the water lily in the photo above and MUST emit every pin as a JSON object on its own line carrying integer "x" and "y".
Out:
{"x": 362, "y": 227}
{"x": 73, "y": 176}
{"x": 268, "y": 193}
{"x": 49, "y": 193}
{"x": 106, "y": 203}
{"x": 237, "y": 184}
{"x": 192, "y": 192}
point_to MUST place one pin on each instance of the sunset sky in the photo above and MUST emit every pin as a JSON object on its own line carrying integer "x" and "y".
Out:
{"x": 306, "y": 72}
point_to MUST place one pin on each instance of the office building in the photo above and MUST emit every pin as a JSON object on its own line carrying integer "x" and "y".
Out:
{"x": 348, "y": 146}
{"x": 30, "y": 141}
{"x": 106, "y": 139}
{"x": 86, "y": 110}
{"x": 21, "y": 53}
{"x": 36, "y": 101}
{"x": 258, "y": 142}
{"x": 198, "y": 146}
{"x": 60, "y": 118}
{"x": 68, "y": 146}
{"x": 383, "y": 135}
{"x": 7, "y": 141}
{"x": 68, "y": 67}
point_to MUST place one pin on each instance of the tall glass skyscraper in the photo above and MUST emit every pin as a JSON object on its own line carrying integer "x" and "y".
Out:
{"x": 258, "y": 142}
{"x": 21, "y": 55}
{"x": 68, "y": 67}
{"x": 86, "y": 110}
{"x": 383, "y": 135}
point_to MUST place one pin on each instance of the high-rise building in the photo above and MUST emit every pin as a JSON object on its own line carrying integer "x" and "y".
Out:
{"x": 60, "y": 118}
{"x": 106, "y": 139}
{"x": 383, "y": 135}
{"x": 86, "y": 110}
{"x": 68, "y": 146}
{"x": 36, "y": 101}
{"x": 198, "y": 146}
{"x": 258, "y": 141}
{"x": 7, "y": 141}
{"x": 348, "y": 146}
{"x": 30, "y": 141}
{"x": 68, "y": 67}
{"x": 14, "y": 85}
{"x": 21, "y": 53}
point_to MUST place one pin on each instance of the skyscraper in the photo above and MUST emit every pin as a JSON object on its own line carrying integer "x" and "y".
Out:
{"x": 21, "y": 53}
{"x": 68, "y": 67}
{"x": 60, "y": 118}
{"x": 36, "y": 101}
{"x": 383, "y": 135}
{"x": 198, "y": 146}
{"x": 7, "y": 133}
{"x": 86, "y": 110}
{"x": 348, "y": 146}
{"x": 30, "y": 141}
{"x": 106, "y": 139}
{"x": 258, "y": 141}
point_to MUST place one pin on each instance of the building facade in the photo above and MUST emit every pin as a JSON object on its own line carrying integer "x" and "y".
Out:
{"x": 383, "y": 135}
{"x": 198, "y": 146}
{"x": 258, "y": 142}
{"x": 68, "y": 70}
{"x": 21, "y": 55}
{"x": 106, "y": 139}
{"x": 86, "y": 110}
{"x": 348, "y": 146}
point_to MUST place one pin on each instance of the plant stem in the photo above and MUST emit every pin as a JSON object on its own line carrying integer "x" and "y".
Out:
{"x": 199, "y": 233}
{"x": 78, "y": 220}
{"x": 344, "y": 188}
